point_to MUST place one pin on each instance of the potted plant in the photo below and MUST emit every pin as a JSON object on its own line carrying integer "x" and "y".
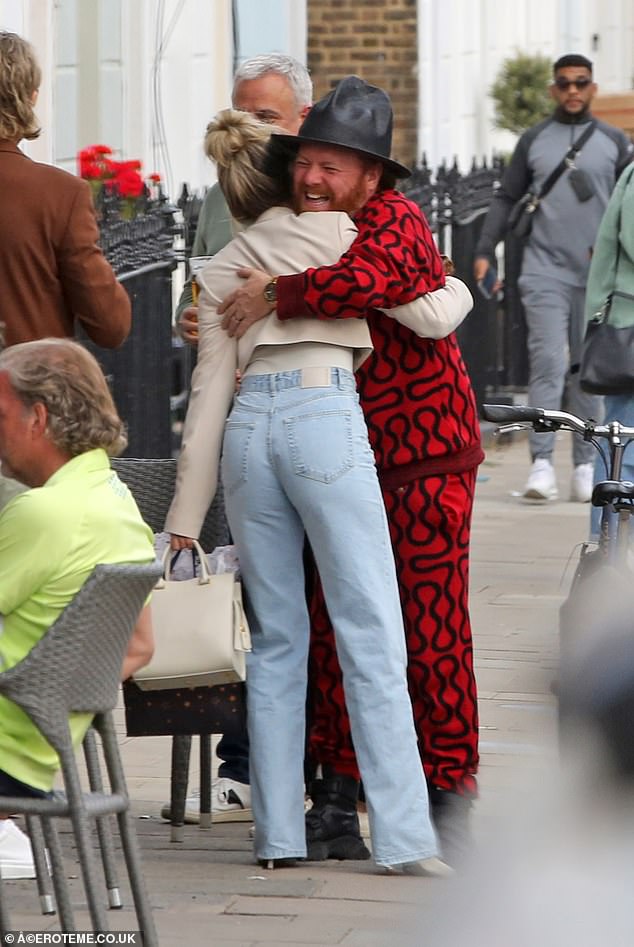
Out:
{"x": 520, "y": 92}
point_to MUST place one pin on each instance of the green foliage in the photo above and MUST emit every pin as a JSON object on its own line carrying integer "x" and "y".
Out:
{"x": 520, "y": 92}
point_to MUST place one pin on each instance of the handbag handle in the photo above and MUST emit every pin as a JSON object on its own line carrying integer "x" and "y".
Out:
{"x": 205, "y": 575}
{"x": 241, "y": 632}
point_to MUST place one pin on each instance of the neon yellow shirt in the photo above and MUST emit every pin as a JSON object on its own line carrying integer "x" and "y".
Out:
{"x": 51, "y": 538}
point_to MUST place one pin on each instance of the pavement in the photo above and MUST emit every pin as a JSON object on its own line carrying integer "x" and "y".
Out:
{"x": 206, "y": 890}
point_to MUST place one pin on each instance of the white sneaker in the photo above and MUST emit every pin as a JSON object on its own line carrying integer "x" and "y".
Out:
{"x": 541, "y": 484}
{"x": 582, "y": 483}
{"x": 16, "y": 857}
{"x": 230, "y": 802}
{"x": 426, "y": 868}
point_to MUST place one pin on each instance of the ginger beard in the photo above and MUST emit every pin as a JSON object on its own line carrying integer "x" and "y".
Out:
{"x": 332, "y": 178}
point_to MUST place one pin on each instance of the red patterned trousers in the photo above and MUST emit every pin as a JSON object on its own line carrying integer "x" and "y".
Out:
{"x": 430, "y": 521}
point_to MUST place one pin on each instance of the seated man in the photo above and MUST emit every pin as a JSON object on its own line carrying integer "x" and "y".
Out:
{"x": 58, "y": 427}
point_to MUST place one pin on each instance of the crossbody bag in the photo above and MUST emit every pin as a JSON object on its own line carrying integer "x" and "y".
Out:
{"x": 520, "y": 221}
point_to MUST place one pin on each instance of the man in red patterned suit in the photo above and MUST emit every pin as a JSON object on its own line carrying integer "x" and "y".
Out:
{"x": 423, "y": 427}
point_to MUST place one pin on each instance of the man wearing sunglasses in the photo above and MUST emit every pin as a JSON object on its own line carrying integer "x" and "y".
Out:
{"x": 557, "y": 254}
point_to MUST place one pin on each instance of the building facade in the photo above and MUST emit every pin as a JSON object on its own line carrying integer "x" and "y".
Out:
{"x": 145, "y": 76}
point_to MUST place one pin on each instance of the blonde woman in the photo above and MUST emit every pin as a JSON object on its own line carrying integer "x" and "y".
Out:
{"x": 296, "y": 461}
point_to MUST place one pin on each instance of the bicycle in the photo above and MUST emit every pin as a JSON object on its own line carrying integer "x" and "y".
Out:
{"x": 613, "y": 494}
{"x": 594, "y": 682}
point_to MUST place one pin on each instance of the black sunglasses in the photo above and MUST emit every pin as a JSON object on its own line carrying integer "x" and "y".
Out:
{"x": 564, "y": 84}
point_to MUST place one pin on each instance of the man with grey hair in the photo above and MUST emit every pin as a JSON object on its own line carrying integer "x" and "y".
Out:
{"x": 276, "y": 89}
{"x": 58, "y": 428}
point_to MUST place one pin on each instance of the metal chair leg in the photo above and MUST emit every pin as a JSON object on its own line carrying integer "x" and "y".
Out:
{"x": 84, "y": 842}
{"x": 132, "y": 855}
{"x": 104, "y": 824}
{"x": 5, "y": 920}
{"x": 58, "y": 874}
{"x": 44, "y": 883}
{"x": 127, "y": 831}
{"x": 181, "y": 749}
{"x": 205, "y": 781}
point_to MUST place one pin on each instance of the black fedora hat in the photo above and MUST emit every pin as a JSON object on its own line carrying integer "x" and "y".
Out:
{"x": 353, "y": 115}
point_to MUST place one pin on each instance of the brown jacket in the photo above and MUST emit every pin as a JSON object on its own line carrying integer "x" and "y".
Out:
{"x": 51, "y": 270}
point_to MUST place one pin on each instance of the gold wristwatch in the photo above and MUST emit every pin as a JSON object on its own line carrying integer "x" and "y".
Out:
{"x": 270, "y": 292}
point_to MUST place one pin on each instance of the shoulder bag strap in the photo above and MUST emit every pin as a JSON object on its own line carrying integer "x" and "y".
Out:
{"x": 570, "y": 155}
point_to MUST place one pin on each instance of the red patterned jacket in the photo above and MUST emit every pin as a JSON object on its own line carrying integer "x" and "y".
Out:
{"x": 415, "y": 393}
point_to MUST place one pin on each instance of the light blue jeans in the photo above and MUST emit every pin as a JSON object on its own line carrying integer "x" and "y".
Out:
{"x": 617, "y": 408}
{"x": 298, "y": 460}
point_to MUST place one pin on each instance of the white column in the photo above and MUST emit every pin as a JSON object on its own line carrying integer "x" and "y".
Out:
{"x": 33, "y": 19}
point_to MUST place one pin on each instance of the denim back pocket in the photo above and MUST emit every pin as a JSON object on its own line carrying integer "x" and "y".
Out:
{"x": 321, "y": 444}
{"x": 235, "y": 454}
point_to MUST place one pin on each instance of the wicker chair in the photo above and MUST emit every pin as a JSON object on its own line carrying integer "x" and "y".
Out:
{"x": 76, "y": 667}
{"x": 152, "y": 482}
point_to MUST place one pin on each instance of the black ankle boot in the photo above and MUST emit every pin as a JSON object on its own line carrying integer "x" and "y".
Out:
{"x": 450, "y": 814}
{"x": 332, "y": 825}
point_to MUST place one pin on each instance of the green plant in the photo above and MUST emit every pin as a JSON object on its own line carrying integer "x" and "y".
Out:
{"x": 520, "y": 92}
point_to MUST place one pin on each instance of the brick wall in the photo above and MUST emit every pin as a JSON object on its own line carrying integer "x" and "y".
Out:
{"x": 616, "y": 109}
{"x": 375, "y": 39}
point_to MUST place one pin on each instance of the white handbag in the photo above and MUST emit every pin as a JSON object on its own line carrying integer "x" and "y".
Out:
{"x": 201, "y": 634}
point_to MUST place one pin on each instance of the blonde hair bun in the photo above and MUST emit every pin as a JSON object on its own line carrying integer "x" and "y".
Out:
{"x": 232, "y": 132}
{"x": 238, "y": 144}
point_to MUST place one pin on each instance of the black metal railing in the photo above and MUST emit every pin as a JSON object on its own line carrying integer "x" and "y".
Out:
{"x": 141, "y": 250}
{"x": 493, "y": 337}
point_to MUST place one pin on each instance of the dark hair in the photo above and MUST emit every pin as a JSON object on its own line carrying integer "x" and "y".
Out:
{"x": 388, "y": 180}
{"x": 279, "y": 157}
{"x": 572, "y": 59}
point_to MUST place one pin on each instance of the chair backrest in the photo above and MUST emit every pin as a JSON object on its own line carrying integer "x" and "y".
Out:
{"x": 76, "y": 665}
{"x": 151, "y": 482}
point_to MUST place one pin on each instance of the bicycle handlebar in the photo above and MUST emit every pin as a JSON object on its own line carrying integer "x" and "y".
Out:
{"x": 541, "y": 419}
{"x": 509, "y": 413}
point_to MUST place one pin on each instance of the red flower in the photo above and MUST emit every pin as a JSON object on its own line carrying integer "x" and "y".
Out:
{"x": 90, "y": 170}
{"x": 93, "y": 163}
{"x": 128, "y": 165}
{"x": 155, "y": 178}
{"x": 128, "y": 183}
{"x": 123, "y": 178}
